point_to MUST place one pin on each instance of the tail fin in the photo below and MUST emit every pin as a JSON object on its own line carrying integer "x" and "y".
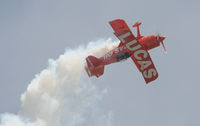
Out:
{"x": 94, "y": 66}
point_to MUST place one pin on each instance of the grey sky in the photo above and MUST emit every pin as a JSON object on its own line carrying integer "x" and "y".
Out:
{"x": 31, "y": 32}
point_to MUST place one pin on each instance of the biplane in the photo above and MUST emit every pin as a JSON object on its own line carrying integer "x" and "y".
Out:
{"x": 130, "y": 46}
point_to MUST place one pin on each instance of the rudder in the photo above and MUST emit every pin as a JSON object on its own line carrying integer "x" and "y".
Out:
{"x": 94, "y": 66}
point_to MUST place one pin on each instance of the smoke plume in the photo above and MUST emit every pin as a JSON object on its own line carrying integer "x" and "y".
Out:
{"x": 62, "y": 94}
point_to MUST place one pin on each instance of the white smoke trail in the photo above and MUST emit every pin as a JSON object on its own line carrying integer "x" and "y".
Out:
{"x": 62, "y": 94}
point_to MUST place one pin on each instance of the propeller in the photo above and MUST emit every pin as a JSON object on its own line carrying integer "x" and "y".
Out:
{"x": 161, "y": 38}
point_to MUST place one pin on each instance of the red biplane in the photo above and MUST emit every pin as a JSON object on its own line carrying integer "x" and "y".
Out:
{"x": 129, "y": 46}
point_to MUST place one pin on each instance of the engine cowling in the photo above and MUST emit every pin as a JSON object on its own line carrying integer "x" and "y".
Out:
{"x": 149, "y": 42}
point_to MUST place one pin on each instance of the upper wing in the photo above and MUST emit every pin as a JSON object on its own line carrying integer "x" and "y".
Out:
{"x": 140, "y": 55}
{"x": 120, "y": 27}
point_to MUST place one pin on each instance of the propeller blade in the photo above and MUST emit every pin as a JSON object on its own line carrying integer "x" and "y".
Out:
{"x": 163, "y": 46}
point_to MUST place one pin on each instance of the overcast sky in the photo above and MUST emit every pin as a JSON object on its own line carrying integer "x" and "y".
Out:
{"x": 31, "y": 32}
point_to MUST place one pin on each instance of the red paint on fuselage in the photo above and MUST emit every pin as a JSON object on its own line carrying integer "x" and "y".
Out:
{"x": 148, "y": 42}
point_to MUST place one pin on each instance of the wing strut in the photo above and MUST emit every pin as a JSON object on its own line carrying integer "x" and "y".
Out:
{"x": 137, "y": 24}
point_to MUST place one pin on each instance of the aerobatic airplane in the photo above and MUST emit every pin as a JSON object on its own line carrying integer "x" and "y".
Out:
{"x": 129, "y": 46}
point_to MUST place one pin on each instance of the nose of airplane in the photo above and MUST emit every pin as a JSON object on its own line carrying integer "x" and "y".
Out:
{"x": 162, "y": 38}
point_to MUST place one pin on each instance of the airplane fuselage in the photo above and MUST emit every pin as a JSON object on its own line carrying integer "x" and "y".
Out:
{"x": 121, "y": 52}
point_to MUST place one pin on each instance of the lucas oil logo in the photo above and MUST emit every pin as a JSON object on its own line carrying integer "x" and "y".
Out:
{"x": 141, "y": 56}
